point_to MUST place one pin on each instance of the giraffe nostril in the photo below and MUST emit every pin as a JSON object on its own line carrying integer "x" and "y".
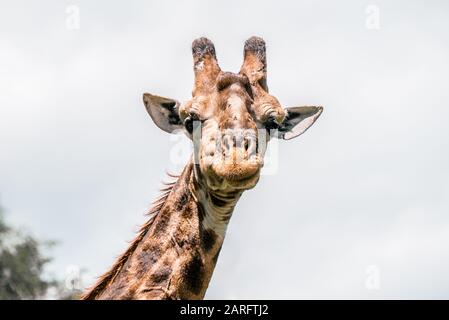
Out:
{"x": 246, "y": 143}
{"x": 251, "y": 146}
{"x": 228, "y": 142}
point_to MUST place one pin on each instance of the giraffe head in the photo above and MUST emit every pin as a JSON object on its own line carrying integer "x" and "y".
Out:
{"x": 230, "y": 118}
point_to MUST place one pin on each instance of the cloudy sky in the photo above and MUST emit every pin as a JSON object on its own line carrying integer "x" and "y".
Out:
{"x": 358, "y": 207}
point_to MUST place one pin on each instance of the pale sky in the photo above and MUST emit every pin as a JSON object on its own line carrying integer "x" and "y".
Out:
{"x": 358, "y": 206}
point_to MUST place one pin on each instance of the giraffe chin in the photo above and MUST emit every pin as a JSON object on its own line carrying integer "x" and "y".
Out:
{"x": 229, "y": 183}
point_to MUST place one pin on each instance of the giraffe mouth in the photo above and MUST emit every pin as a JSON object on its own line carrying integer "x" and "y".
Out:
{"x": 237, "y": 171}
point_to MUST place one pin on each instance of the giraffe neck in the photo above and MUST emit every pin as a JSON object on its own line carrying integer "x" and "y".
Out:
{"x": 218, "y": 206}
{"x": 175, "y": 254}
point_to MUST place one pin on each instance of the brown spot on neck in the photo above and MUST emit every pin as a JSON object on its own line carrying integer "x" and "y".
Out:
{"x": 194, "y": 274}
{"x": 209, "y": 238}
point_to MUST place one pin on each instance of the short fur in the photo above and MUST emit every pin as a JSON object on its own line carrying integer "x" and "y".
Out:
{"x": 175, "y": 251}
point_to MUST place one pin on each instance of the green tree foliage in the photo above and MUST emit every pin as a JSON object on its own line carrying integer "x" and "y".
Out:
{"x": 21, "y": 265}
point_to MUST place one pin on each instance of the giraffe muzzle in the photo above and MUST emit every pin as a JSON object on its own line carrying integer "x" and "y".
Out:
{"x": 236, "y": 158}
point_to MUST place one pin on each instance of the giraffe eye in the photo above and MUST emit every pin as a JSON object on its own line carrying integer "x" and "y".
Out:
{"x": 271, "y": 124}
{"x": 188, "y": 122}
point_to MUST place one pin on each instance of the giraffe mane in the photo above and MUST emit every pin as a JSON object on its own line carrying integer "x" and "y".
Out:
{"x": 104, "y": 280}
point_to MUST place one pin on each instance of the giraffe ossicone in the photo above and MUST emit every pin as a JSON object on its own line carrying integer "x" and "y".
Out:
{"x": 230, "y": 119}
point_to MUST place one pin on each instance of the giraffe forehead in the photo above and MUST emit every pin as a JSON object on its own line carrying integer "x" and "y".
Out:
{"x": 232, "y": 102}
{"x": 226, "y": 79}
{"x": 229, "y": 90}
{"x": 221, "y": 107}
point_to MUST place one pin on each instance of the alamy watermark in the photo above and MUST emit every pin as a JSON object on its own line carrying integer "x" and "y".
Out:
{"x": 229, "y": 146}
{"x": 372, "y": 20}
{"x": 372, "y": 280}
{"x": 72, "y": 21}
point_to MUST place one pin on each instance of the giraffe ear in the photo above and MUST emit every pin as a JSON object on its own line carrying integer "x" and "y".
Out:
{"x": 297, "y": 121}
{"x": 163, "y": 111}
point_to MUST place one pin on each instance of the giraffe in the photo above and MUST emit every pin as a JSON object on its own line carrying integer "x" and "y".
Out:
{"x": 175, "y": 252}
